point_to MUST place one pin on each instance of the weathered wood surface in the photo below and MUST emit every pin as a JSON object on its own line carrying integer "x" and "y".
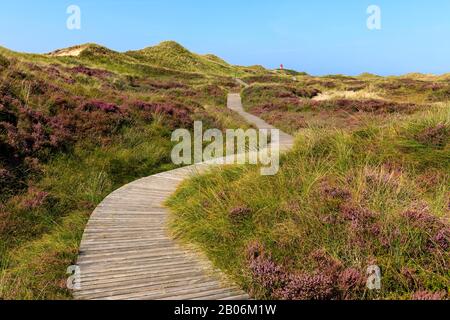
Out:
{"x": 127, "y": 253}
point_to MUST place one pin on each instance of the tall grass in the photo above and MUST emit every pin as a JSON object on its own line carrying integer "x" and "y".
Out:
{"x": 341, "y": 202}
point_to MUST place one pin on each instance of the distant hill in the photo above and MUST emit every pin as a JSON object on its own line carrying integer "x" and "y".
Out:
{"x": 172, "y": 55}
{"x": 367, "y": 75}
{"x": 290, "y": 72}
{"x": 167, "y": 55}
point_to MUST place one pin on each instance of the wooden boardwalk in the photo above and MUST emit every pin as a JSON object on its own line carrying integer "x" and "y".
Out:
{"x": 126, "y": 252}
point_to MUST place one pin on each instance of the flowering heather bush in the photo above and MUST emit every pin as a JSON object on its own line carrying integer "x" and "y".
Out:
{"x": 307, "y": 287}
{"x": 40, "y": 87}
{"x": 420, "y": 216}
{"x": 258, "y": 93}
{"x": 4, "y": 174}
{"x": 436, "y": 231}
{"x": 54, "y": 73}
{"x": 97, "y": 105}
{"x": 95, "y": 124}
{"x": 165, "y": 85}
{"x": 227, "y": 83}
{"x": 437, "y": 136}
{"x": 351, "y": 280}
{"x": 441, "y": 93}
{"x": 386, "y": 176}
{"x": 410, "y": 84}
{"x": 409, "y": 274}
{"x": 34, "y": 199}
{"x": 16, "y": 74}
{"x": 334, "y": 192}
{"x": 359, "y": 218}
{"x": 306, "y": 92}
{"x": 177, "y": 114}
{"x": 291, "y": 105}
{"x": 325, "y": 262}
{"x": 371, "y": 105}
{"x": 53, "y": 118}
{"x": 270, "y": 276}
{"x": 426, "y": 295}
{"x": 90, "y": 72}
{"x": 347, "y": 283}
{"x": 212, "y": 90}
{"x": 329, "y": 281}
{"x": 35, "y": 132}
{"x": 60, "y": 104}
{"x": 442, "y": 238}
{"x": 266, "y": 79}
{"x": 269, "y": 107}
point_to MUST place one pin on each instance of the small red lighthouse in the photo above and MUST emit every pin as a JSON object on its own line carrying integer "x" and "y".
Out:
{"x": 281, "y": 67}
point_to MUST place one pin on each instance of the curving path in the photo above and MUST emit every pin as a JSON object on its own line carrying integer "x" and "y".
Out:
{"x": 126, "y": 252}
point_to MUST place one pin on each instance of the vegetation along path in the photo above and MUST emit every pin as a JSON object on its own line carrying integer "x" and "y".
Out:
{"x": 127, "y": 253}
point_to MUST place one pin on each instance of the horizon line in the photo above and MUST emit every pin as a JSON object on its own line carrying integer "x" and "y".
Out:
{"x": 242, "y": 65}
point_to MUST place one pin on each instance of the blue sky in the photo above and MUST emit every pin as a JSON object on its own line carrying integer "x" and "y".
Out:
{"x": 319, "y": 37}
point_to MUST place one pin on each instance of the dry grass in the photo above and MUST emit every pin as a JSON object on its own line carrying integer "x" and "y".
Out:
{"x": 333, "y": 95}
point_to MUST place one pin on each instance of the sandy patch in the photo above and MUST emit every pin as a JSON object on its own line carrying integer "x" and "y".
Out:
{"x": 346, "y": 95}
{"x": 69, "y": 52}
